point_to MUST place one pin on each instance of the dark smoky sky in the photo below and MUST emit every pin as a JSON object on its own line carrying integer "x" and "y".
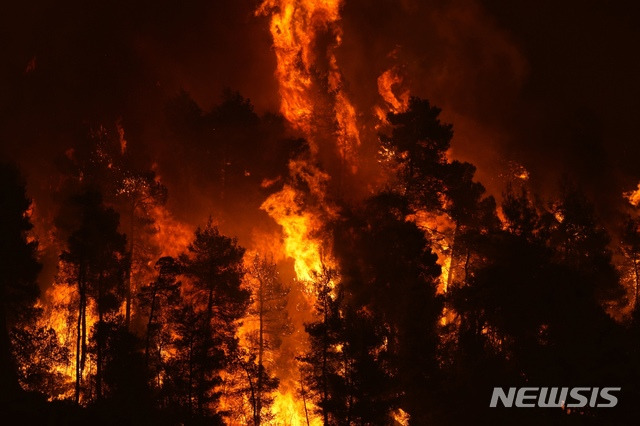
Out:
{"x": 551, "y": 85}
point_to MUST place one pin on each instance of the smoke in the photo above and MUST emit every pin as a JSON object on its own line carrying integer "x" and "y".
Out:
{"x": 545, "y": 86}
{"x": 73, "y": 65}
{"x": 451, "y": 53}
{"x": 524, "y": 85}
{"x": 552, "y": 87}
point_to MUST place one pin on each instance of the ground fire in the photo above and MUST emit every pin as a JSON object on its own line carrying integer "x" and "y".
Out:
{"x": 360, "y": 243}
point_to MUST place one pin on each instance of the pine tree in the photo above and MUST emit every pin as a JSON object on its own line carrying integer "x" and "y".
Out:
{"x": 214, "y": 265}
{"x": 159, "y": 297}
{"x": 269, "y": 313}
{"x": 389, "y": 279}
{"x": 96, "y": 256}
{"x": 19, "y": 270}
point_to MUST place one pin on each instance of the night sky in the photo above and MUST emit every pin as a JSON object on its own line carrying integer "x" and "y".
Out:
{"x": 550, "y": 85}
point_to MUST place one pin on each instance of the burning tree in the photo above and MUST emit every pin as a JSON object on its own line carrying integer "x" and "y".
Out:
{"x": 436, "y": 186}
{"x": 159, "y": 297}
{"x": 533, "y": 300}
{"x": 95, "y": 263}
{"x": 141, "y": 193}
{"x": 631, "y": 249}
{"x": 389, "y": 278}
{"x": 207, "y": 319}
{"x": 101, "y": 159}
{"x": 271, "y": 321}
{"x": 395, "y": 288}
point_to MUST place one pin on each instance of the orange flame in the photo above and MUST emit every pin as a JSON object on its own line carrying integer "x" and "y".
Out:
{"x": 439, "y": 229}
{"x": 298, "y": 226}
{"x": 633, "y": 196}
{"x": 389, "y": 81}
{"x": 295, "y": 27}
{"x": 172, "y": 236}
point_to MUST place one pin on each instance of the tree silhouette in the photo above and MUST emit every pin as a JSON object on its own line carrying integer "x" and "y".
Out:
{"x": 96, "y": 257}
{"x": 532, "y": 313}
{"x": 37, "y": 352}
{"x": 101, "y": 160}
{"x": 18, "y": 270}
{"x": 269, "y": 313}
{"x": 159, "y": 297}
{"x": 323, "y": 359}
{"x": 213, "y": 264}
{"x": 389, "y": 271}
{"x": 583, "y": 243}
{"x": 178, "y": 388}
{"x": 418, "y": 143}
{"x": 140, "y": 192}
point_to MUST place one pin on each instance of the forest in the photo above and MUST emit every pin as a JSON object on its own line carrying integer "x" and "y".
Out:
{"x": 293, "y": 212}
{"x": 530, "y": 294}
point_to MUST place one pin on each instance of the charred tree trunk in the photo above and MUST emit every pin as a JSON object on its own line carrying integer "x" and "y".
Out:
{"x": 190, "y": 387}
{"x": 80, "y": 344}
{"x": 253, "y": 395}
{"x": 206, "y": 344}
{"x": 99, "y": 341}
{"x": 303, "y": 392}
{"x": 127, "y": 317}
{"x": 637, "y": 278}
{"x": 325, "y": 355}
{"x": 258, "y": 408}
{"x": 80, "y": 332}
{"x": 466, "y": 266}
{"x": 348, "y": 373}
{"x": 149, "y": 325}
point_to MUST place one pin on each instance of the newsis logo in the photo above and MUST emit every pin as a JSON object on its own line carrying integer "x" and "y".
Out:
{"x": 555, "y": 397}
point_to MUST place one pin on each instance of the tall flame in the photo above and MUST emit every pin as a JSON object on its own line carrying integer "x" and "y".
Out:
{"x": 306, "y": 34}
{"x": 298, "y": 226}
{"x": 305, "y": 89}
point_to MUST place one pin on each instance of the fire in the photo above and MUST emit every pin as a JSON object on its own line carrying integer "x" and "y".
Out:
{"x": 633, "y": 196}
{"x": 439, "y": 229}
{"x": 301, "y": 225}
{"x": 121, "y": 138}
{"x": 292, "y": 411}
{"x": 295, "y": 27}
{"x": 401, "y": 417}
{"x": 389, "y": 81}
{"x": 313, "y": 99}
{"x": 59, "y": 303}
{"x": 298, "y": 226}
{"x": 172, "y": 236}
{"x": 301, "y": 216}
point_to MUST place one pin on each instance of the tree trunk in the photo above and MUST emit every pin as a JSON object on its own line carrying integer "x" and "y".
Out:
{"x": 256, "y": 417}
{"x": 149, "y": 324}
{"x": 80, "y": 340}
{"x": 260, "y": 351}
{"x": 635, "y": 270}
{"x": 325, "y": 350}
{"x": 304, "y": 402}
{"x": 454, "y": 245}
{"x": 127, "y": 318}
{"x": 202, "y": 374}
{"x": 99, "y": 341}
{"x": 190, "y": 392}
